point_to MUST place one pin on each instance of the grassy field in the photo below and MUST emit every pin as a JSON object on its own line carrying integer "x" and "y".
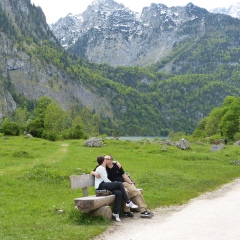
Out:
{"x": 34, "y": 181}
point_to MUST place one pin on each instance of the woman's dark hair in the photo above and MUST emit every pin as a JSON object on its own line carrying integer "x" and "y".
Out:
{"x": 100, "y": 160}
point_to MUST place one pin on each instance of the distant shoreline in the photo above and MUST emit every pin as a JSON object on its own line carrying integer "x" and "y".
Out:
{"x": 138, "y": 138}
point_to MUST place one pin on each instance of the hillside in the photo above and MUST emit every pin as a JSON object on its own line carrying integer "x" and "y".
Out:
{"x": 173, "y": 94}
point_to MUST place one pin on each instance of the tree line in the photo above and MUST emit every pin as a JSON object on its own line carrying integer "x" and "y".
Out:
{"x": 49, "y": 121}
{"x": 222, "y": 121}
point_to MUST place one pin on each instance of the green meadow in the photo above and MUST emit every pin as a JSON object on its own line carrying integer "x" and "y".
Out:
{"x": 36, "y": 201}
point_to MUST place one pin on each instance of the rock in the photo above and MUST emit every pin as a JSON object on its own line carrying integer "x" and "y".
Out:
{"x": 217, "y": 147}
{"x": 182, "y": 144}
{"x": 235, "y": 162}
{"x": 94, "y": 142}
{"x": 237, "y": 143}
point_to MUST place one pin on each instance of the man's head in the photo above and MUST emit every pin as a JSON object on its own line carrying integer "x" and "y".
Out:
{"x": 109, "y": 160}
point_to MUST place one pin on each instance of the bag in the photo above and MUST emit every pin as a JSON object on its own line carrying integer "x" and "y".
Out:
{"x": 104, "y": 192}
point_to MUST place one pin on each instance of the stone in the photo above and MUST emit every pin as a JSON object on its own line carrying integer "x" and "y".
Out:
{"x": 94, "y": 142}
{"x": 182, "y": 144}
{"x": 217, "y": 147}
{"x": 237, "y": 143}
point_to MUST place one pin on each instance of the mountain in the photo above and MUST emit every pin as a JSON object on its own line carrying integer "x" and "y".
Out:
{"x": 195, "y": 55}
{"x": 108, "y": 32}
{"x": 233, "y": 10}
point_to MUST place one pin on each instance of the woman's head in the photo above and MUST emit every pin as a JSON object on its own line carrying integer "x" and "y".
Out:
{"x": 100, "y": 159}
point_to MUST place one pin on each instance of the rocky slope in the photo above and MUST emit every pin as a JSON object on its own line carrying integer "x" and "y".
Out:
{"x": 27, "y": 75}
{"x": 108, "y": 32}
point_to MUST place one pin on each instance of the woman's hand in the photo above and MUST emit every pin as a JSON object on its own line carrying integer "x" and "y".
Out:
{"x": 95, "y": 174}
{"x": 118, "y": 164}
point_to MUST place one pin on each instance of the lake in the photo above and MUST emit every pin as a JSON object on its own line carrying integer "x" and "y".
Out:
{"x": 139, "y": 138}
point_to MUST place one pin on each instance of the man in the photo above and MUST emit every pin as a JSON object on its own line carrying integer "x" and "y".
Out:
{"x": 117, "y": 174}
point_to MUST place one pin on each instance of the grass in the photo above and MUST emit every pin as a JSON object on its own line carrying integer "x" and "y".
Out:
{"x": 34, "y": 181}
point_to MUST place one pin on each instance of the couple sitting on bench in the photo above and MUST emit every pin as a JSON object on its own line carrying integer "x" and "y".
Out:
{"x": 110, "y": 176}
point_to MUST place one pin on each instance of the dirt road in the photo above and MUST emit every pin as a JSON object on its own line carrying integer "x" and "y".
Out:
{"x": 212, "y": 216}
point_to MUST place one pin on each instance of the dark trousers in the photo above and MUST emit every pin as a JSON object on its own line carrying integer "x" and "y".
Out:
{"x": 118, "y": 190}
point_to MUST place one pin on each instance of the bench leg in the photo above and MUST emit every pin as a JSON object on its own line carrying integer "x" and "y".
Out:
{"x": 104, "y": 211}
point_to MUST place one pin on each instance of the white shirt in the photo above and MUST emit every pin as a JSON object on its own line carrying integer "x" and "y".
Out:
{"x": 103, "y": 176}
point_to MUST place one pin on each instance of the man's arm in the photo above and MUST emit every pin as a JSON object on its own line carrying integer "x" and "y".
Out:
{"x": 127, "y": 179}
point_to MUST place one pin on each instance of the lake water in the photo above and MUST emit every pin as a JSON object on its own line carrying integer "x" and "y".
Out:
{"x": 139, "y": 138}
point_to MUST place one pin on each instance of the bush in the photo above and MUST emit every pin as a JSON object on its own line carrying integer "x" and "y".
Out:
{"x": 74, "y": 133}
{"x": 10, "y": 128}
{"x": 50, "y": 136}
{"x": 236, "y": 136}
{"x": 35, "y": 127}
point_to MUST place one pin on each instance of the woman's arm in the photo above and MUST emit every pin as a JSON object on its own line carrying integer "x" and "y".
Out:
{"x": 103, "y": 173}
{"x": 95, "y": 174}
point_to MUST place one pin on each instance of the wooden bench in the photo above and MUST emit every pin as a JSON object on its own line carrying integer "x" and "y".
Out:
{"x": 96, "y": 206}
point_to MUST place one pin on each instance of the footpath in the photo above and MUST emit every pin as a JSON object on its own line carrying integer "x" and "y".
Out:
{"x": 212, "y": 216}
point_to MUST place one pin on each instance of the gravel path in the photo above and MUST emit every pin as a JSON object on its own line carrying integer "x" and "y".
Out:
{"x": 212, "y": 216}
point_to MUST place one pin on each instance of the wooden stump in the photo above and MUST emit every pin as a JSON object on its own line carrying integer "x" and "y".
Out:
{"x": 90, "y": 203}
{"x": 104, "y": 211}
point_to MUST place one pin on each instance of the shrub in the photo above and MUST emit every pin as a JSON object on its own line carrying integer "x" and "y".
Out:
{"x": 10, "y": 128}
{"x": 50, "y": 136}
{"x": 35, "y": 127}
{"x": 236, "y": 136}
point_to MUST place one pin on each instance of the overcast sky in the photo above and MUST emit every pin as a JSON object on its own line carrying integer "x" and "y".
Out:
{"x": 55, "y": 9}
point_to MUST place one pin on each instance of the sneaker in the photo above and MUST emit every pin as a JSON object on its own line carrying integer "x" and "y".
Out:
{"x": 131, "y": 205}
{"x": 128, "y": 214}
{"x": 116, "y": 217}
{"x": 146, "y": 214}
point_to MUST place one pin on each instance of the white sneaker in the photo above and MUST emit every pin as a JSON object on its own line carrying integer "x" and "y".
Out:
{"x": 131, "y": 205}
{"x": 116, "y": 217}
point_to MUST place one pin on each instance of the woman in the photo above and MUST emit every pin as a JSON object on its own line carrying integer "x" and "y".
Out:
{"x": 115, "y": 187}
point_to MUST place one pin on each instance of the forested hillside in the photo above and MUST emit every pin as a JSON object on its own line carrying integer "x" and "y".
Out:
{"x": 121, "y": 100}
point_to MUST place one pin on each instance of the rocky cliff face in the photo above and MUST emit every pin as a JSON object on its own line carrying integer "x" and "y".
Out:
{"x": 108, "y": 32}
{"x": 32, "y": 78}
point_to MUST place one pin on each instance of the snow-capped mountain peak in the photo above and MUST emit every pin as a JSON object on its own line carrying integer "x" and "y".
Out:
{"x": 233, "y": 10}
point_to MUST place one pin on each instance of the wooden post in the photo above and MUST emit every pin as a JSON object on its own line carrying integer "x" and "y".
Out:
{"x": 85, "y": 192}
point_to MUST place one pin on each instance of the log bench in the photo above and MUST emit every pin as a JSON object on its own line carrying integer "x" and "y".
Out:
{"x": 96, "y": 206}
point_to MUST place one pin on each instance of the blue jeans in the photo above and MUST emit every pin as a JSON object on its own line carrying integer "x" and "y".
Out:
{"x": 118, "y": 190}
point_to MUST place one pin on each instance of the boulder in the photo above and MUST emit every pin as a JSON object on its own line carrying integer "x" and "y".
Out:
{"x": 182, "y": 144}
{"x": 217, "y": 147}
{"x": 93, "y": 142}
{"x": 237, "y": 143}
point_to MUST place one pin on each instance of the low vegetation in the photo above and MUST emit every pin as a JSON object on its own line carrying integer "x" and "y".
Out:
{"x": 36, "y": 201}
